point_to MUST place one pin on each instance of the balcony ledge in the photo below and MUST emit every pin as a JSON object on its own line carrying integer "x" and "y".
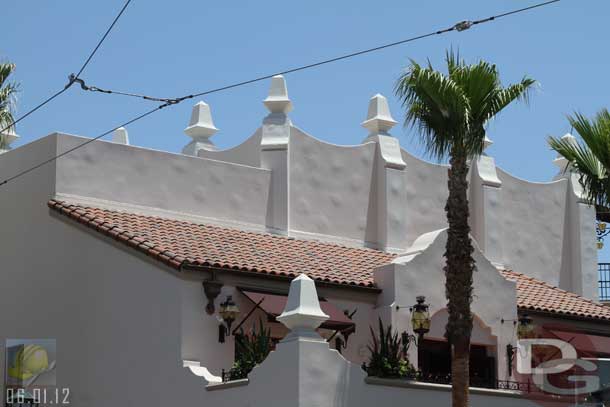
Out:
{"x": 442, "y": 387}
{"x": 227, "y": 385}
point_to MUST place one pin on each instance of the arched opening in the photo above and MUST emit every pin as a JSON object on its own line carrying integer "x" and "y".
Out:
{"x": 434, "y": 353}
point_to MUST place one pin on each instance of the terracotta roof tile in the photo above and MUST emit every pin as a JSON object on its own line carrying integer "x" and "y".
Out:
{"x": 536, "y": 295}
{"x": 177, "y": 243}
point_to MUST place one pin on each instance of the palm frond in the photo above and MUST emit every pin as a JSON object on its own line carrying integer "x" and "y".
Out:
{"x": 435, "y": 104}
{"x": 8, "y": 92}
{"x": 502, "y": 97}
{"x": 595, "y": 133}
{"x": 451, "y": 111}
{"x": 590, "y": 158}
{"x": 5, "y": 70}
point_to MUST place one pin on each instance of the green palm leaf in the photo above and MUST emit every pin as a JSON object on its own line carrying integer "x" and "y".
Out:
{"x": 591, "y": 157}
{"x": 8, "y": 93}
{"x": 451, "y": 111}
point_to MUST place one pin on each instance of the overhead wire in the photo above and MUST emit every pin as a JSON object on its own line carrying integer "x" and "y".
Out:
{"x": 71, "y": 78}
{"x": 460, "y": 26}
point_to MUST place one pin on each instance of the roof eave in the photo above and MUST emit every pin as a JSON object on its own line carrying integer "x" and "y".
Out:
{"x": 563, "y": 315}
{"x": 258, "y": 274}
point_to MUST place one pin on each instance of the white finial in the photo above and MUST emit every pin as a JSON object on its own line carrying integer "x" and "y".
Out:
{"x": 278, "y": 101}
{"x": 120, "y": 136}
{"x": 302, "y": 310}
{"x": 379, "y": 119}
{"x": 487, "y": 142}
{"x": 200, "y": 129}
{"x": 560, "y": 161}
{"x": 6, "y": 139}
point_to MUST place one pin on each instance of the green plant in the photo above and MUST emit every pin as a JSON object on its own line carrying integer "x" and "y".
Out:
{"x": 8, "y": 91}
{"x": 251, "y": 350}
{"x": 389, "y": 354}
{"x": 590, "y": 159}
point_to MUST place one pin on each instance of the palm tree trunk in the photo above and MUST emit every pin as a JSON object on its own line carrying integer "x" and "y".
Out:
{"x": 458, "y": 271}
{"x": 460, "y": 373}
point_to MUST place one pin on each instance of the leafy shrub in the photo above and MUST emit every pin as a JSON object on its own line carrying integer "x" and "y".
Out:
{"x": 389, "y": 354}
{"x": 251, "y": 350}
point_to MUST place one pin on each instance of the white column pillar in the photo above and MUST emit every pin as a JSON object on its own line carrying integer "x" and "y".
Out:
{"x": 274, "y": 154}
{"x": 389, "y": 193}
{"x": 484, "y": 203}
{"x": 579, "y": 257}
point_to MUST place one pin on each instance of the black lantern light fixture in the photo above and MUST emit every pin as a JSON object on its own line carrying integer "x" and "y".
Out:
{"x": 229, "y": 311}
{"x": 525, "y": 329}
{"x": 601, "y": 231}
{"x": 211, "y": 289}
{"x": 420, "y": 317}
{"x": 526, "y": 326}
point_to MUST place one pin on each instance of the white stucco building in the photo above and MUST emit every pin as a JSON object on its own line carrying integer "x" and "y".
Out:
{"x": 116, "y": 251}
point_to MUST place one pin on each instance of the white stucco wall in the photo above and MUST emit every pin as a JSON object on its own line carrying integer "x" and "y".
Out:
{"x": 246, "y": 153}
{"x": 531, "y": 219}
{"x": 124, "y": 324}
{"x": 89, "y": 301}
{"x": 312, "y": 375}
{"x": 174, "y": 182}
{"x": 426, "y": 196}
{"x": 420, "y": 272}
{"x": 325, "y": 204}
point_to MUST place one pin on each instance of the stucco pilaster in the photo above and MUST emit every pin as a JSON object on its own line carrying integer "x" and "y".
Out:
{"x": 390, "y": 192}
{"x": 274, "y": 154}
{"x": 485, "y": 195}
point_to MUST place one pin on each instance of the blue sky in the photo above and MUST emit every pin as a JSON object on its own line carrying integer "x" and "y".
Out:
{"x": 168, "y": 49}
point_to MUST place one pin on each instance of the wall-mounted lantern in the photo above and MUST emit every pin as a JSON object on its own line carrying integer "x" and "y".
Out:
{"x": 211, "y": 289}
{"x": 525, "y": 329}
{"x": 601, "y": 232}
{"x": 526, "y": 326}
{"x": 229, "y": 311}
{"x": 420, "y": 317}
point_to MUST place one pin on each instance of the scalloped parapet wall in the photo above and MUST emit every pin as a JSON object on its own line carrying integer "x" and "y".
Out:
{"x": 375, "y": 194}
{"x": 358, "y": 195}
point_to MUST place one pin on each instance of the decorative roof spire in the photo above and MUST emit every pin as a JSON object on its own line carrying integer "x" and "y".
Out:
{"x": 560, "y": 161}
{"x": 302, "y": 312}
{"x": 277, "y": 101}
{"x": 379, "y": 119}
{"x": 200, "y": 129}
{"x": 487, "y": 142}
{"x": 6, "y": 139}
{"x": 120, "y": 136}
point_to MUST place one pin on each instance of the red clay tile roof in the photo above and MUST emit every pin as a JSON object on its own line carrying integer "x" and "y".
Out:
{"x": 536, "y": 295}
{"x": 178, "y": 243}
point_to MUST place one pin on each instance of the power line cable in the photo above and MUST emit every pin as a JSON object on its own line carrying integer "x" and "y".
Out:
{"x": 101, "y": 41}
{"x": 461, "y": 26}
{"x": 72, "y": 77}
{"x": 54, "y": 158}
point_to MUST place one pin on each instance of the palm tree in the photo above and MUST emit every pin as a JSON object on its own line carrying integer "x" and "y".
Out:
{"x": 451, "y": 112}
{"x": 8, "y": 91}
{"x": 591, "y": 159}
